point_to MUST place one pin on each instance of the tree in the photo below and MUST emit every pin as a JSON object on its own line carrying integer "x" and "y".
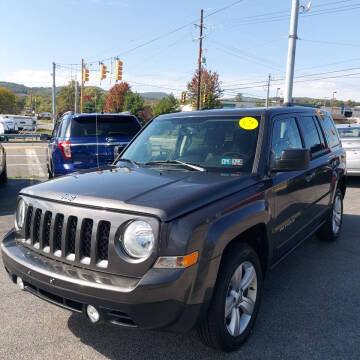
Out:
{"x": 7, "y": 101}
{"x": 66, "y": 98}
{"x": 239, "y": 97}
{"x": 210, "y": 86}
{"x": 116, "y": 98}
{"x": 146, "y": 114}
{"x": 94, "y": 99}
{"x": 166, "y": 106}
{"x": 134, "y": 103}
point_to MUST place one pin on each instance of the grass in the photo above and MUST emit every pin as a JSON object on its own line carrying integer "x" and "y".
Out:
{"x": 45, "y": 121}
{"x": 43, "y": 131}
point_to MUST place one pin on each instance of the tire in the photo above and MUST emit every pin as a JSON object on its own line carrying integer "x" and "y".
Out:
{"x": 218, "y": 330}
{"x": 331, "y": 230}
{"x": 3, "y": 176}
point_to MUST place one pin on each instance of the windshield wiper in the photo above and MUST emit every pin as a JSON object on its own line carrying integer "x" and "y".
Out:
{"x": 132, "y": 162}
{"x": 177, "y": 162}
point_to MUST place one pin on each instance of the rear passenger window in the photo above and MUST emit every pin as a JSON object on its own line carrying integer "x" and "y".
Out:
{"x": 311, "y": 134}
{"x": 330, "y": 130}
{"x": 285, "y": 136}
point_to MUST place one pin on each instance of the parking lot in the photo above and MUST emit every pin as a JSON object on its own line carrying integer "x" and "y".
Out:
{"x": 309, "y": 310}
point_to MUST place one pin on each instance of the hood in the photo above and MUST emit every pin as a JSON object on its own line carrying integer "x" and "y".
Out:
{"x": 165, "y": 194}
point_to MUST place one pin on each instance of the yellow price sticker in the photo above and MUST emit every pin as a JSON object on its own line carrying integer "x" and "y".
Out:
{"x": 248, "y": 123}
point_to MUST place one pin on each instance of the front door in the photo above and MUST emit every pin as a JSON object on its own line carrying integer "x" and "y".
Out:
{"x": 288, "y": 206}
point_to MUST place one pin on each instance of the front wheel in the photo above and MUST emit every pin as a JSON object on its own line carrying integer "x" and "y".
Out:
{"x": 235, "y": 302}
{"x": 330, "y": 231}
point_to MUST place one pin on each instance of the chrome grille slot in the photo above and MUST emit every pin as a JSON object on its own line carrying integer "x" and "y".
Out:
{"x": 70, "y": 237}
{"x": 58, "y": 228}
{"x": 46, "y": 230}
{"x": 103, "y": 241}
{"x": 28, "y": 222}
{"x": 85, "y": 239}
{"x": 36, "y": 228}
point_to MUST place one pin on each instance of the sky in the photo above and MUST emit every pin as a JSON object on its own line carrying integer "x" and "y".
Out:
{"x": 158, "y": 43}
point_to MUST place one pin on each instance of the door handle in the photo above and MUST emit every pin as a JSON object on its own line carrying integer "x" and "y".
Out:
{"x": 309, "y": 176}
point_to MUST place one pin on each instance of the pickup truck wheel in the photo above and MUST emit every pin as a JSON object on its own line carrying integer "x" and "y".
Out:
{"x": 330, "y": 231}
{"x": 235, "y": 302}
{"x": 3, "y": 176}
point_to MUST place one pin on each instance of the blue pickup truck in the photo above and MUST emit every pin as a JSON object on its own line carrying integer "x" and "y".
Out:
{"x": 85, "y": 141}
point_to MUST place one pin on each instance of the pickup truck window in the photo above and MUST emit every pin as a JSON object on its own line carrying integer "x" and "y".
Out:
{"x": 285, "y": 136}
{"x": 220, "y": 144}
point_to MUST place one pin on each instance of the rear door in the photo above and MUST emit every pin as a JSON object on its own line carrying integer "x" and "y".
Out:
{"x": 94, "y": 138}
{"x": 350, "y": 139}
{"x": 319, "y": 175}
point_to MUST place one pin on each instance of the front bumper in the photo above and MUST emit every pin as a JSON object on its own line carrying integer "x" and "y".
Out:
{"x": 159, "y": 300}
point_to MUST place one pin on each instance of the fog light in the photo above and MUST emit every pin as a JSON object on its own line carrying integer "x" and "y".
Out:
{"x": 20, "y": 283}
{"x": 93, "y": 314}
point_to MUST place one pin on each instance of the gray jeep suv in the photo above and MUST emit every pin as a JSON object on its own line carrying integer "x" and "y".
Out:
{"x": 181, "y": 230}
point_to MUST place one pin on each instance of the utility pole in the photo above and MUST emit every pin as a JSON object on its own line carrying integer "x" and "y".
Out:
{"x": 82, "y": 87}
{"x": 268, "y": 91}
{"x": 198, "y": 99}
{"x": 289, "y": 79}
{"x": 76, "y": 96}
{"x": 53, "y": 96}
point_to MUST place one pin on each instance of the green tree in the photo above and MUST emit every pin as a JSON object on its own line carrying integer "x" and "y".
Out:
{"x": 134, "y": 103}
{"x": 116, "y": 98}
{"x": 7, "y": 101}
{"x": 210, "y": 86}
{"x": 166, "y": 106}
{"x": 94, "y": 99}
{"x": 66, "y": 98}
{"x": 239, "y": 97}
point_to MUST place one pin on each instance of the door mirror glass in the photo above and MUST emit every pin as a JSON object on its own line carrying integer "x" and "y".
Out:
{"x": 292, "y": 160}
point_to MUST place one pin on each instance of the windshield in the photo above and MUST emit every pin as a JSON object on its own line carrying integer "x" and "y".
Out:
{"x": 107, "y": 125}
{"x": 224, "y": 144}
{"x": 349, "y": 132}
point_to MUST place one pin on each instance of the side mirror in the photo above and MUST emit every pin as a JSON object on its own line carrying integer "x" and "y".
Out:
{"x": 2, "y": 138}
{"x": 293, "y": 160}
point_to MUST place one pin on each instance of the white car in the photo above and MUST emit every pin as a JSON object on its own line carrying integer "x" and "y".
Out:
{"x": 9, "y": 124}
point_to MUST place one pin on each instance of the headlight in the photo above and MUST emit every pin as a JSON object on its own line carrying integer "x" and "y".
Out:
{"x": 138, "y": 239}
{"x": 20, "y": 214}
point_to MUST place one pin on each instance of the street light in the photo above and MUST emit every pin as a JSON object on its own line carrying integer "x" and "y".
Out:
{"x": 333, "y": 98}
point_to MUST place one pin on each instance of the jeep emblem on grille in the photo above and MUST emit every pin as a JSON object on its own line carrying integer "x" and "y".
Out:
{"x": 69, "y": 197}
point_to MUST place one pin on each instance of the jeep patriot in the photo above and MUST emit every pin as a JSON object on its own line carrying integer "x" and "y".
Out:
{"x": 180, "y": 231}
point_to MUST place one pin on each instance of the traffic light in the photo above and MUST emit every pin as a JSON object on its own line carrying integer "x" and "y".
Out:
{"x": 103, "y": 71}
{"x": 183, "y": 97}
{"x": 203, "y": 98}
{"x": 86, "y": 74}
{"x": 118, "y": 70}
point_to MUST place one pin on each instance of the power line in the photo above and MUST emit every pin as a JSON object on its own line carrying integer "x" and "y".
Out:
{"x": 165, "y": 34}
{"x": 330, "y": 42}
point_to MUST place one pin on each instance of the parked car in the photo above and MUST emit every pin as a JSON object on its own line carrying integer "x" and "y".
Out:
{"x": 3, "y": 172}
{"x": 84, "y": 141}
{"x": 9, "y": 124}
{"x": 27, "y": 123}
{"x": 182, "y": 230}
{"x": 350, "y": 138}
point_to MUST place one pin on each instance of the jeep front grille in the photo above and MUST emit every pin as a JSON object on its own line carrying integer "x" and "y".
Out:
{"x": 68, "y": 237}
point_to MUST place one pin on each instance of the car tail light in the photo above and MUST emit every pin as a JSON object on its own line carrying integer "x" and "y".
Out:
{"x": 65, "y": 147}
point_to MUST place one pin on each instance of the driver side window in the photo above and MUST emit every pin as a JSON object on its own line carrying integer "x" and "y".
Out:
{"x": 285, "y": 136}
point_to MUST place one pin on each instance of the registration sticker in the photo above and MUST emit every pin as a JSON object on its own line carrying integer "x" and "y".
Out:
{"x": 232, "y": 162}
{"x": 248, "y": 123}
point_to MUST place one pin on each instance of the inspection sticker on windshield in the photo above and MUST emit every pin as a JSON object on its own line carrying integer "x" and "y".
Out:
{"x": 248, "y": 123}
{"x": 232, "y": 162}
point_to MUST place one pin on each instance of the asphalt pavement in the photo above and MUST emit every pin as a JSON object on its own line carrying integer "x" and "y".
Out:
{"x": 26, "y": 160}
{"x": 310, "y": 309}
